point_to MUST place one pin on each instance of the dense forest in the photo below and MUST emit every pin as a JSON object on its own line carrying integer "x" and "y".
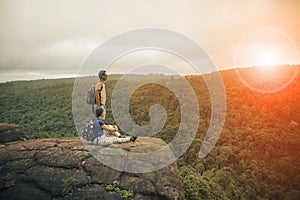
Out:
{"x": 256, "y": 157}
{"x": 43, "y": 106}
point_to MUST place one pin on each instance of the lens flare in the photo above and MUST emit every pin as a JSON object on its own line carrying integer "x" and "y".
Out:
{"x": 270, "y": 52}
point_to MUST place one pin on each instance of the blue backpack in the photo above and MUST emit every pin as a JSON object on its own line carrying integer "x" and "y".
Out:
{"x": 92, "y": 130}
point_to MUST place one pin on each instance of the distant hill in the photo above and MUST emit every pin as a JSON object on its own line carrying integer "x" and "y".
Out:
{"x": 43, "y": 106}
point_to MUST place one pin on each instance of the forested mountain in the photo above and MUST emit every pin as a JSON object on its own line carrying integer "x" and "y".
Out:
{"x": 43, "y": 106}
{"x": 258, "y": 153}
{"x": 256, "y": 157}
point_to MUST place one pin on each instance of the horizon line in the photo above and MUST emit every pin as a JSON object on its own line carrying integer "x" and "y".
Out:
{"x": 59, "y": 76}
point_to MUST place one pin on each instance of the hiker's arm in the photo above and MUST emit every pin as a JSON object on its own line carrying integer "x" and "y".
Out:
{"x": 98, "y": 94}
{"x": 109, "y": 128}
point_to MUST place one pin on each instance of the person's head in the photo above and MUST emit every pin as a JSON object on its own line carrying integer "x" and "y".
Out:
{"x": 100, "y": 112}
{"x": 102, "y": 75}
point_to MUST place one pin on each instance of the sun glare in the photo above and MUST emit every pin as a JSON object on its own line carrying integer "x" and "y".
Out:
{"x": 268, "y": 55}
{"x": 266, "y": 59}
{"x": 266, "y": 48}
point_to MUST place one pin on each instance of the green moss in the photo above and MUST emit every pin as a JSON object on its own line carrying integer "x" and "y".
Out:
{"x": 69, "y": 185}
{"x": 126, "y": 194}
{"x": 10, "y": 179}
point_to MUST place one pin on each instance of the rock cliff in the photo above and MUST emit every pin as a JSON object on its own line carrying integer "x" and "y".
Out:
{"x": 64, "y": 169}
{"x": 14, "y": 132}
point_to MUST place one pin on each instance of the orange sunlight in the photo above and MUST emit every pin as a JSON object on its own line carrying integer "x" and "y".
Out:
{"x": 269, "y": 53}
{"x": 266, "y": 47}
{"x": 266, "y": 58}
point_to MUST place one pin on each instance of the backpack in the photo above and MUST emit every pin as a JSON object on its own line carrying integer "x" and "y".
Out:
{"x": 90, "y": 97}
{"x": 90, "y": 130}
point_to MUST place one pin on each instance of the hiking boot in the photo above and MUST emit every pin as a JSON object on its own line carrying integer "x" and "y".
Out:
{"x": 133, "y": 138}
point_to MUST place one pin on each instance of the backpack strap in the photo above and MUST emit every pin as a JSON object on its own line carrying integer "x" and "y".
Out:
{"x": 93, "y": 104}
{"x": 93, "y": 109}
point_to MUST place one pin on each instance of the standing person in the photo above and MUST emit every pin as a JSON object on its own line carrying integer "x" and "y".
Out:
{"x": 100, "y": 90}
{"x": 108, "y": 134}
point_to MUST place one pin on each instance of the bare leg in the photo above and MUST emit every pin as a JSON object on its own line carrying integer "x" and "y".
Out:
{"x": 114, "y": 133}
{"x": 114, "y": 139}
{"x": 106, "y": 140}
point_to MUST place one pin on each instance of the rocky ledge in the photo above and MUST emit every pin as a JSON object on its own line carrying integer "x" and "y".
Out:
{"x": 65, "y": 169}
{"x": 14, "y": 132}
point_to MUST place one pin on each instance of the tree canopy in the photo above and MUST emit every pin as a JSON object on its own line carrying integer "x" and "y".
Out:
{"x": 256, "y": 157}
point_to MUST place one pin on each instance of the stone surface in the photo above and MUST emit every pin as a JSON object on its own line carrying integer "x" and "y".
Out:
{"x": 144, "y": 155}
{"x": 65, "y": 169}
{"x": 13, "y": 132}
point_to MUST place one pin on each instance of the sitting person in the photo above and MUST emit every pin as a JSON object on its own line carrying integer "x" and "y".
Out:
{"x": 108, "y": 134}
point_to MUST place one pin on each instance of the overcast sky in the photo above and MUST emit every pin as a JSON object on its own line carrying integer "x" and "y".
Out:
{"x": 52, "y": 38}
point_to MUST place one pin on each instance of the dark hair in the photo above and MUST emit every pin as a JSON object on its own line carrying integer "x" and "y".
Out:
{"x": 99, "y": 111}
{"x": 100, "y": 74}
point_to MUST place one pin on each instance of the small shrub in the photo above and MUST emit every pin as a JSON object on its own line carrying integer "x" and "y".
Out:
{"x": 126, "y": 194}
{"x": 10, "y": 179}
{"x": 69, "y": 185}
